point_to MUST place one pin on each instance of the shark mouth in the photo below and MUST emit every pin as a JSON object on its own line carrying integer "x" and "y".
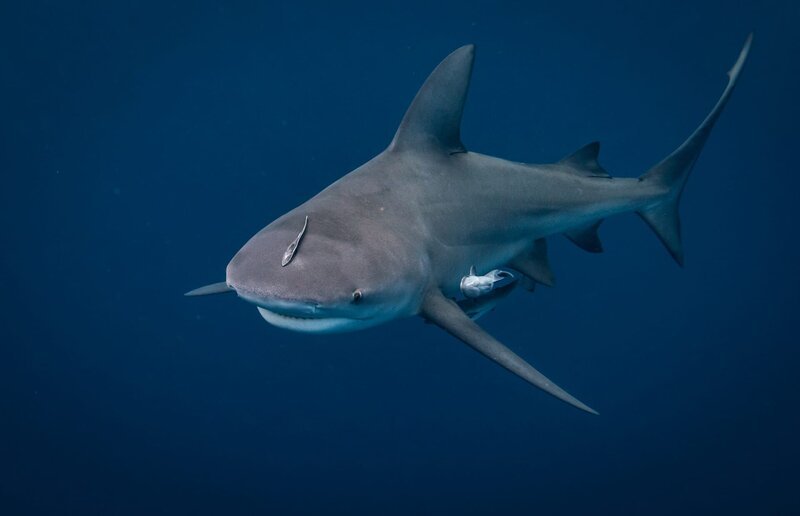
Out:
{"x": 311, "y": 324}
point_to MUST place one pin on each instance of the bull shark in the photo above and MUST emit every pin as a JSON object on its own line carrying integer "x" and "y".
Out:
{"x": 405, "y": 232}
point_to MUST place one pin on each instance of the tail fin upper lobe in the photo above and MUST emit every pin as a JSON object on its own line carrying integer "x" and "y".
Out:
{"x": 673, "y": 171}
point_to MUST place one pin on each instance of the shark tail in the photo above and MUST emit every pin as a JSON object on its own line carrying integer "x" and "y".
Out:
{"x": 673, "y": 171}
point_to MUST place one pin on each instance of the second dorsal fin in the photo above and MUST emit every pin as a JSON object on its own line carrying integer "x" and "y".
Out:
{"x": 584, "y": 161}
{"x": 433, "y": 120}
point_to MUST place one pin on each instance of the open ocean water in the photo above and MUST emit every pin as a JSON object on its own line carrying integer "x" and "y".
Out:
{"x": 144, "y": 142}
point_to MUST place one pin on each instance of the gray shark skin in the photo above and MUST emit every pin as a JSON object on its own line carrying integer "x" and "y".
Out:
{"x": 394, "y": 237}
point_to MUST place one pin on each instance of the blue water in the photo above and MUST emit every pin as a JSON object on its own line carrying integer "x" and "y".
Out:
{"x": 143, "y": 143}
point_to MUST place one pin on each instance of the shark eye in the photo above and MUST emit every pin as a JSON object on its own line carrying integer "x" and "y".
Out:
{"x": 357, "y": 295}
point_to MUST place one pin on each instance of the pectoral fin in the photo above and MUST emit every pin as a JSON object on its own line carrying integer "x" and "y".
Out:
{"x": 214, "y": 288}
{"x": 446, "y": 314}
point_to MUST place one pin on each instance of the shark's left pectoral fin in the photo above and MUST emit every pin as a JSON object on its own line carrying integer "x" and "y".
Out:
{"x": 446, "y": 314}
{"x": 215, "y": 288}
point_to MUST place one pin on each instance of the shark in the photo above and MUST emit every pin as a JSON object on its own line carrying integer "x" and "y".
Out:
{"x": 429, "y": 228}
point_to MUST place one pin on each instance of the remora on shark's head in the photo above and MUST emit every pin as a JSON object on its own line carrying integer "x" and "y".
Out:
{"x": 396, "y": 236}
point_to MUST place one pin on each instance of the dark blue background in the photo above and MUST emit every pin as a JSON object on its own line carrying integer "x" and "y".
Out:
{"x": 142, "y": 144}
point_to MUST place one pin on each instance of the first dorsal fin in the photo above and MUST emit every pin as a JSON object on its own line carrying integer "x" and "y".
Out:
{"x": 584, "y": 161}
{"x": 433, "y": 120}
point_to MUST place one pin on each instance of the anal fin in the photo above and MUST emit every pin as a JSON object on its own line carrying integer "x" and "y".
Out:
{"x": 446, "y": 314}
{"x": 586, "y": 237}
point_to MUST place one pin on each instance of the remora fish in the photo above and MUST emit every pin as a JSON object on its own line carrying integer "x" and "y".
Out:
{"x": 395, "y": 237}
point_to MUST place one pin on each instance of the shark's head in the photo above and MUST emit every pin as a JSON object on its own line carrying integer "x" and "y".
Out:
{"x": 323, "y": 275}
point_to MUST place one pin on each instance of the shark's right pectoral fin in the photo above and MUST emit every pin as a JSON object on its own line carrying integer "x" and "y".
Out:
{"x": 446, "y": 314}
{"x": 215, "y": 288}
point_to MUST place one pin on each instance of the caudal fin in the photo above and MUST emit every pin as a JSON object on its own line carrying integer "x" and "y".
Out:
{"x": 673, "y": 171}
